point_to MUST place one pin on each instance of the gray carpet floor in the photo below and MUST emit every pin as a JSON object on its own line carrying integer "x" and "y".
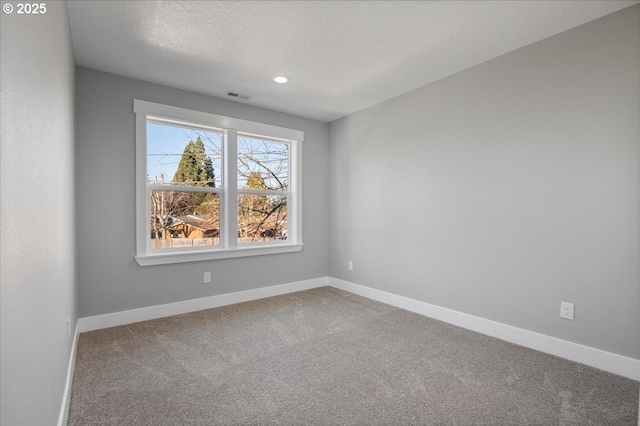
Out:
{"x": 328, "y": 357}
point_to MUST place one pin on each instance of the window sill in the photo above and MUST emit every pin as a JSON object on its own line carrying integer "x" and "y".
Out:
{"x": 168, "y": 258}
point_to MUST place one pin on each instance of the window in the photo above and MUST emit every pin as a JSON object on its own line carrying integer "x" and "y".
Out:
{"x": 212, "y": 187}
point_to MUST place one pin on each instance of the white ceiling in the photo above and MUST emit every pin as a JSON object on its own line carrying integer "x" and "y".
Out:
{"x": 341, "y": 56}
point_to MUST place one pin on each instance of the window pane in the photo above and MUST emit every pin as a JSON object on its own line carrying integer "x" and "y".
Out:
{"x": 262, "y": 218}
{"x": 178, "y": 155}
{"x": 184, "y": 219}
{"x": 262, "y": 164}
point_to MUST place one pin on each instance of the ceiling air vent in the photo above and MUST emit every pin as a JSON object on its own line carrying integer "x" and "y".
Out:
{"x": 238, "y": 95}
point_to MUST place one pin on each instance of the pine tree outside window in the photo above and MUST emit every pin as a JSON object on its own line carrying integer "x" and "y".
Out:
{"x": 211, "y": 187}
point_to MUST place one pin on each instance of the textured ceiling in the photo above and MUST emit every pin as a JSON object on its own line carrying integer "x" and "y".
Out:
{"x": 341, "y": 56}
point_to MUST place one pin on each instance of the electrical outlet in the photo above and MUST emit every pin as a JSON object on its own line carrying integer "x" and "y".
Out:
{"x": 566, "y": 310}
{"x": 350, "y": 265}
{"x": 207, "y": 277}
{"x": 68, "y": 326}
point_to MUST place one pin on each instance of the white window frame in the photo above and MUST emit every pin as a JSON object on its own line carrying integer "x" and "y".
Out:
{"x": 228, "y": 193}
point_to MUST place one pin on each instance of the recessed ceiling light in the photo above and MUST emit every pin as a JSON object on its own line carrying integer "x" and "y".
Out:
{"x": 281, "y": 79}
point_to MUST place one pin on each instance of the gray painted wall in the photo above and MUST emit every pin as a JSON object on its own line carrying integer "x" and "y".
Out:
{"x": 38, "y": 291}
{"x": 506, "y": 188}
{"x": 109, "y": 278}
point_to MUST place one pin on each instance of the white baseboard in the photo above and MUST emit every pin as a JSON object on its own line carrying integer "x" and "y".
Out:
{"x": 160, "y": 311}
{"x": 607, "y": 361}
{"x": 66, "y": 396}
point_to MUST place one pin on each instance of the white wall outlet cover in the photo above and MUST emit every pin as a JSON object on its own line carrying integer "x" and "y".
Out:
{"x": 207, "y": 277}
{"x": 566, "y": 310}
